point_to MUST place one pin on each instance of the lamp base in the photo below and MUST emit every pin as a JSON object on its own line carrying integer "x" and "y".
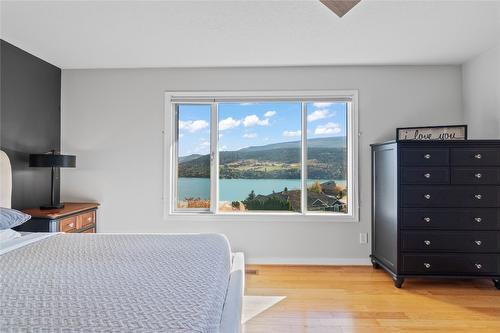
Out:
{"x": 55, "y": 206}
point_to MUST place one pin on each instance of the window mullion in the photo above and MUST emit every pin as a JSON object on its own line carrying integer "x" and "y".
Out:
{"x": 303, "y": 173}
{"x": 214, "y": 160}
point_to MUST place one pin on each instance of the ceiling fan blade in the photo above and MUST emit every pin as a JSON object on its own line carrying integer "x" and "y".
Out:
{"x": 340, "y": 7}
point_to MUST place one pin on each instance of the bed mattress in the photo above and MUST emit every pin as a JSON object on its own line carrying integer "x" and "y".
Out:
{"x": 115, "y": 283}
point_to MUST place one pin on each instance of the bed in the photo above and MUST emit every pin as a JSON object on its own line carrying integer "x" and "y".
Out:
{"x": 123, "y": 283}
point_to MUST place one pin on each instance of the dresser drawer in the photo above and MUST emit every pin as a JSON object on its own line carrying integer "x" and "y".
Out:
{"x": 450, "y": 264}
{"x": 451, "y": 218}
{"x": 86, "y": 219}
{"x": 425, "y": 175}
{"x": 89, "y": 231}
{"x": 475, "y": 175}
{"x": 450, "y": 196}
{"x": 475, "y": 156}
{"x": 68, "y": 224}
{"x": 450, "y": 241}
{"x": 425, "y": 157}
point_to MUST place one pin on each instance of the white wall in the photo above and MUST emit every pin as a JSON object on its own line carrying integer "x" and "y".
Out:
{"x": 481, "y": 94}
{"x": 113, "y": 120}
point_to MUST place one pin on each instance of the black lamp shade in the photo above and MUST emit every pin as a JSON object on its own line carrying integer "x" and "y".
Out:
{"x": 52, "y": 160}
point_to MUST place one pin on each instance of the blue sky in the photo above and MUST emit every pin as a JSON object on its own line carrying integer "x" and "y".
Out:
{"x": 254, "y": 124}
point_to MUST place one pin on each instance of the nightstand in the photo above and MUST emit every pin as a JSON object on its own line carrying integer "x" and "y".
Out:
{"x": 74, "y": 217}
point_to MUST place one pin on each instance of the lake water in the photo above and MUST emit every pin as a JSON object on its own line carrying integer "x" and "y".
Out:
{"x": 238, "y": 189}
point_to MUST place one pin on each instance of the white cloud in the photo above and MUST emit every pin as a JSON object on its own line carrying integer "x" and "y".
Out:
{"x": 223, "y": 148}
{"x": 203, "y": 147}
{"x": 328, "y": 128}
{"x": 228, "y": 123}
{"x": 254, "y": 120}
{"x": 292, "y": 133}
{"x": 192, "y": 125}
{"x": 321, "y": 105}
{"x": 269, "y": 114}
{"x": 318, "y": 114}
{"x": 250, "y": 135}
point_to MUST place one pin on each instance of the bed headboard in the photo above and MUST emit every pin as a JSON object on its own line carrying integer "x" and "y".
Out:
{"x": 5, "y": 180}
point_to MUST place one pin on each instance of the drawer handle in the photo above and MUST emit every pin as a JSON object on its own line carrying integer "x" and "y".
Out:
{"x": 89, "y": 219}
{"x": 71, "y": 225}
{"x": 478, "y": 219}
{"x": 427, "y": 219}
{"x": 427, "y": 156}
{"x": 427, "y": 265}
{"x": 479, "y": 266}
{"x": 427, "y": 196}
{"x": 478, "y": 156}
{"x": 478, "y": 196}
{"x": 478, "y": 175}
{"x": 427, "y": 175}
{"x": 478, "y": 242}
{"x": 427, "y": 242}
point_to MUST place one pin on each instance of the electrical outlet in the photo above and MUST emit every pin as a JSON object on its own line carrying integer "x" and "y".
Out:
{"x": 363, "y": 238}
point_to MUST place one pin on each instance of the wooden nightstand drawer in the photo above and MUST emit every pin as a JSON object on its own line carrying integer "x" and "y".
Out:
{"x": 73, "y": 217}
{"x": 68, "y": 224}
{"x": 86, "y": 219}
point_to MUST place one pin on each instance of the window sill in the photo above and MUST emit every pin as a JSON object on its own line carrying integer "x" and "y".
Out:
{"x": 259, "y": 217}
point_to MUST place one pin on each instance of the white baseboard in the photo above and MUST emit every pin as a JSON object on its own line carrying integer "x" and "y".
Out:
{"x": 310, "y": 261}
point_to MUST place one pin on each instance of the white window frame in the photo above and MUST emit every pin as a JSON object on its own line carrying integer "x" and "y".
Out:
{"x": 209, "y": 97}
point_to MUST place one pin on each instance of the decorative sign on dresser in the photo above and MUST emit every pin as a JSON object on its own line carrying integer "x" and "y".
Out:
{"x": 450, "y": 132}
{"x": 74, "y": 217}
{"x": 436, "y": 209}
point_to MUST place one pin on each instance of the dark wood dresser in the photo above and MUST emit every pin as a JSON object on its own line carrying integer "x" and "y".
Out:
{"x": 436, "y": 209}
{"x": 74, "y": 217}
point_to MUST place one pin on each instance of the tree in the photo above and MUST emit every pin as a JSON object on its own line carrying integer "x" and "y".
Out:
{"x": 316, "y": 187}
{"x": 268, "y": 203}
{"x": 251, "y": 196}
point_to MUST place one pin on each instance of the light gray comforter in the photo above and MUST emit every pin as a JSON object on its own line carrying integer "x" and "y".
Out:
{"x": 115, "y": 283}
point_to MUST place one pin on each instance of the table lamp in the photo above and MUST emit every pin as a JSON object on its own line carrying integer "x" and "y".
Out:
{"x": 52, "y": 160}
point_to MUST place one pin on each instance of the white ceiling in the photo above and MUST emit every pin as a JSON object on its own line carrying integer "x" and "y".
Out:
{"x": 116, "y": 34}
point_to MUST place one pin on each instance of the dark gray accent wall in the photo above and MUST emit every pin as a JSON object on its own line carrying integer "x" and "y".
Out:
{"x": 30, "y": 120}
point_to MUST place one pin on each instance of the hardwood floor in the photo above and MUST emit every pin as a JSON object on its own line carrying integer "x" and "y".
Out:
{"x": 361, "y": 299}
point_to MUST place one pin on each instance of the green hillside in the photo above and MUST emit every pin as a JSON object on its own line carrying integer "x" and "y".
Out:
{"x": 274, "y": 161}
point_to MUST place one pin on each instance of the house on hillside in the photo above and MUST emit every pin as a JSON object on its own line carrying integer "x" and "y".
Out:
{"x": 315, "y": 201}
{"x": 322, "y": 202}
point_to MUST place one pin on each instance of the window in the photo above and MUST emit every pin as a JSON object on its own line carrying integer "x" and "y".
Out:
{"x": 243, "y": 155}
{"x": 193, "y": 156}
{"x": 326, "y": 144}
{"x": 259, "y": 157}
